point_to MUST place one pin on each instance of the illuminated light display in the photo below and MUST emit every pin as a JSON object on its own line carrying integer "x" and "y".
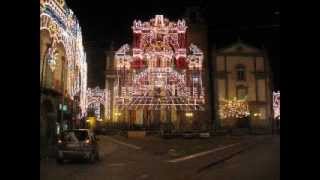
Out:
{"x": 64, "y": 28}
{"x": 51, "y": 59}
{"x": 276, "y": 105}
{"x": 235, "y": 109}
{"x": 159, "y": 72}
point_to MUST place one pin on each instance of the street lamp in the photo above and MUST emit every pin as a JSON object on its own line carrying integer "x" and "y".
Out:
{"x": 117, "y": 114}
{"x": 189, "y": 114}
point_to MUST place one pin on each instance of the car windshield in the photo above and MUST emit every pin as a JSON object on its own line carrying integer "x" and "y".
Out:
{"x": 75, "y": 136}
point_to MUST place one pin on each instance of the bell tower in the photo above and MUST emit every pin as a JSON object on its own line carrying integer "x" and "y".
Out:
{"x": 197, "y": 33}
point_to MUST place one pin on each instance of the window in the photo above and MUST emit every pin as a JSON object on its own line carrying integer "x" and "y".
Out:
{"x": 242, "y": 92}
{"x": 75, "y": 136}
{"x": 240, "y": 73}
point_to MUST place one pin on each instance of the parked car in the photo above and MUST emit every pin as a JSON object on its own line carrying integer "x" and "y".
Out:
{"x": 189, "y": 134}
{"x": 204, "y": 135}
{"x": 77, "y": 144}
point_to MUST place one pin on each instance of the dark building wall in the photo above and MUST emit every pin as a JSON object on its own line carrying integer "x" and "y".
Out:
{"x": 197, "y": 33}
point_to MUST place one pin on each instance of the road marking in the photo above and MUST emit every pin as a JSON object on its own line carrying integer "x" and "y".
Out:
{"x": 123, "y": 143}
{"x": 201, "y": 153}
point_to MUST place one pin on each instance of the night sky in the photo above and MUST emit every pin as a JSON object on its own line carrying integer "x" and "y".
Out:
{"x": 255, "y": 23}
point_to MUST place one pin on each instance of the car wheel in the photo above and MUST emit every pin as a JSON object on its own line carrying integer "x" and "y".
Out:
{"x": 98, "y": 158}
{"x": 92, "y": 157}
{"x": 60, "y": 161}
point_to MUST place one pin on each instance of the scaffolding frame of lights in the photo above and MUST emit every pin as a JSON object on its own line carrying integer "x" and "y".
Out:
{"x": 95, "y": 98}
{"x": 159, "y": 71}
{"x": 63, "y": 27}
{"x": 234, "y": 108}
{"x": 276, "y": 104}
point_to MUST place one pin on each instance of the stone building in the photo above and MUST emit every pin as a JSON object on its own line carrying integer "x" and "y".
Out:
{"x": 243, "y": 71}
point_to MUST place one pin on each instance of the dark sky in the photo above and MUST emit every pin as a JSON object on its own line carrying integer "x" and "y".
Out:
{"x": 256, "y": 23}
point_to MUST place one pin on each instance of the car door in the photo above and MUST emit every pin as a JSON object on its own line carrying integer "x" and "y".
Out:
{"x": 84, "y": 146}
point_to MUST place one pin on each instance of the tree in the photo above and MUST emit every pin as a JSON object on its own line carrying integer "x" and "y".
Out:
{"x": 233, "y": 110}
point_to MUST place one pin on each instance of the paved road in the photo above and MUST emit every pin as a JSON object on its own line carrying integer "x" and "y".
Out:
{"x": 261, "y": 162}
{"x": 122, "y": 162}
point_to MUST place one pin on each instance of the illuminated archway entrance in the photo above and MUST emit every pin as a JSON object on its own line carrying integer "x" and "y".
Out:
{"x": 96, "y": 102}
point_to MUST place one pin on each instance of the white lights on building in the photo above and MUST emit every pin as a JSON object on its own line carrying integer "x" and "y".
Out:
{"x": 96, "y": 97}
{"x": 64, "y": 28}
{"x": 159, "y": 71}
{"x": 235, "y": 109}
{"x": 276, "y": 105}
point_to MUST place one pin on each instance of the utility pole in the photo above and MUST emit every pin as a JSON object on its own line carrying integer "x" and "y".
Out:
{"x": 62, "y": 82}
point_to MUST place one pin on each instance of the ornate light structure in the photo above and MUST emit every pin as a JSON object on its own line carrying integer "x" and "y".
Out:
{"x": 64, "y": 28}
{"x": 51, "y": 59}
{"x": 96, "y": 97}
{"x": 159, "y": 72}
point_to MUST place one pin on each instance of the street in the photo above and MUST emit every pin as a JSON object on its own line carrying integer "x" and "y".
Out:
{"x": 122, "y": 161}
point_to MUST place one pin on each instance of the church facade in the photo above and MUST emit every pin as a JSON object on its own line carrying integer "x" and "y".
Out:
{"x": 159, "y": 79}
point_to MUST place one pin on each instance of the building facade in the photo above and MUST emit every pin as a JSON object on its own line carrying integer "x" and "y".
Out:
{"x": 157, "y": 80}
{"x": 243, "y": 72}
{"x": 63, "y": 69}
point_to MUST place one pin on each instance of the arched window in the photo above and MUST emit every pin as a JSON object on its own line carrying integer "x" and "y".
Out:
{"x": 241, "y": 72}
